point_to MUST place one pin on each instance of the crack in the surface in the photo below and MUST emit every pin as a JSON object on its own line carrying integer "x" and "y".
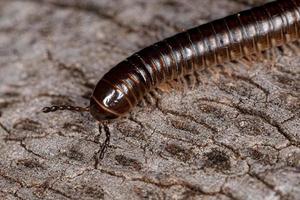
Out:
{"x": 196, "y": 189}
{"x": 59, "y": 192}
{"x": 270, "y": 121}
{"x": 258, "y": 114}
{"x": 48, "y": 184}
{"x": 181, "y": 183}
{"x": 211, "y": 128}
{"x": 169, "y": 136}
{"x": 160, "y": 184}
{"x": 222, "y": 190}
{"x": 175, "y": 113}
{"x": 290, "y": 119}
{"x": 16, "y": 139}
{"x": 13, "y": 194}
{"x": 29, "y": 151}
{"x": 251, "y": 82}
{"x": 86, "y": 170}
{"x": 4, "y": 128}
{"x": 268, "y": 185}
{"x": 45, "y": 185}
{"x": 112, "y": 173}
{"x": 256, "y": 177}
{"x": 2, "y": 174}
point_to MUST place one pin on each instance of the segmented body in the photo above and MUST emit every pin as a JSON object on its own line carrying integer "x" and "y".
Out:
{"x": 230, "y": 38}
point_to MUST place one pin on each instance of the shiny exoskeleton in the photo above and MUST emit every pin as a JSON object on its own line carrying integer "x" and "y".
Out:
{"x": 226, "y": 39}
{"x": 231, "y": 38}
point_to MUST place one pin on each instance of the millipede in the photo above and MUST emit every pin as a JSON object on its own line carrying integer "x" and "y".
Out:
{"x": 234, "y": 37}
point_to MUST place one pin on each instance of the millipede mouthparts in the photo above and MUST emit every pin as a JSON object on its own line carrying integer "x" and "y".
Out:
{"x": 236, "y": 36}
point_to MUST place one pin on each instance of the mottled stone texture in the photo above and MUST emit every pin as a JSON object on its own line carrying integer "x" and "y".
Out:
{"x": 234, "y": 136}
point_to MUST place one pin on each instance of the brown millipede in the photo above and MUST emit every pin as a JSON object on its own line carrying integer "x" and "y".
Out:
{"x": 233, "y": 37}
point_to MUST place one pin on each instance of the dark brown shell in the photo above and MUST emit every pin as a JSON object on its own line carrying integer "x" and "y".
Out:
{"x": 226, "y": 39}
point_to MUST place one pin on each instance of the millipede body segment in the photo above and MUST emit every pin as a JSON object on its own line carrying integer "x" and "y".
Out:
{"x": 233, "y": 37}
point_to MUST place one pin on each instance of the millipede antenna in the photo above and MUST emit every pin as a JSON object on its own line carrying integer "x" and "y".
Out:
{"x": 65, "y": 107}
{"x": 100, "y": 154}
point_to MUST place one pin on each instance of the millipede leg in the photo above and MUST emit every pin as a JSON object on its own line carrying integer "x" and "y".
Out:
{"x": 215, "y": 73}
{"x": 273, "y": 58}
{"x": 100, "y": 154}
{"x": 142, "y": 103}
{"x": 197, "y": 77}
{"x": 165, "y": 88}
{"x": 252, "y": 58}
{"x": 294, "y": 48}
{"x": 149, "y": 99}
{"x": 185, "y": 84}
{"x": 156, "y": 94}
{"x": 247, "y": 62}
{"x": 176, "y": 84}
{"x": 257, "y": 57}
{"x": 286, "y": 50}
{"x": 268, "y": 56}
{"x": 192, "y": 80}
{"x": 228, "y": 70}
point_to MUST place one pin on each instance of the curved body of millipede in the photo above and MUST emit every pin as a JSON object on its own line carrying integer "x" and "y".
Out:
{"x": 226, "y": 39}
{"x": 233, "y": 37}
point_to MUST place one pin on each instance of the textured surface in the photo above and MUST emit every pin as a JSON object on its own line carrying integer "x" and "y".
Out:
{"x": 235, "y": 136}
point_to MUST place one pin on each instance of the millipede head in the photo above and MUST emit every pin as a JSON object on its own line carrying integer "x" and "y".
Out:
{"x": 99, "y": 112}
{"x": 65, "y": 107}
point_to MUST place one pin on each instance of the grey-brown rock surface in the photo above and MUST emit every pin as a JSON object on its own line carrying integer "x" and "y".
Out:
{"x": 235, "y": 136}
